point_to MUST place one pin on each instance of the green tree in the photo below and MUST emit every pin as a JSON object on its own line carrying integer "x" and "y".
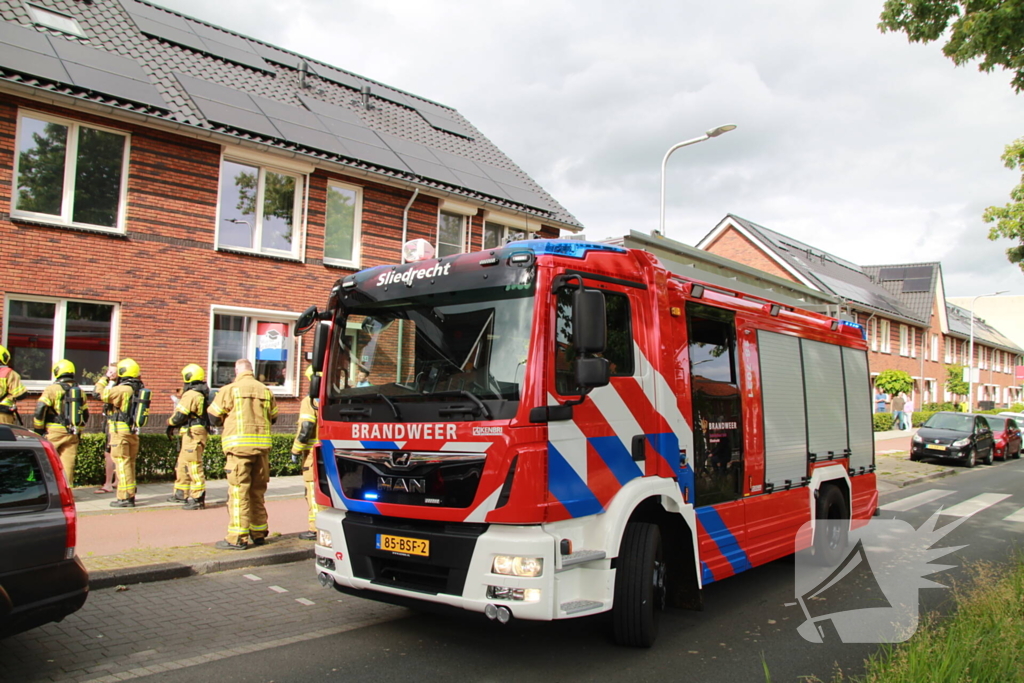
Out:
{"x": 991, "y": 31}
{"x": 278, "y": 197}
{"x": 894, "y": 382}
{"x": 955, "y": 383}
{"x": 41, "y": 171}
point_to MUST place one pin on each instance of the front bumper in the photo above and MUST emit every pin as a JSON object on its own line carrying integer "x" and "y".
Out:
{"x": 458, "y": 572}
{"x": 947, "y": 451}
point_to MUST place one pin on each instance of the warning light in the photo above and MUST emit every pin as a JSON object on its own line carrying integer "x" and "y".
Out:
{"x": 417, "y": 250}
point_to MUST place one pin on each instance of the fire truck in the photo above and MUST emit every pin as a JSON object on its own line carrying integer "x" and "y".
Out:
{"x": 557, "y": 428}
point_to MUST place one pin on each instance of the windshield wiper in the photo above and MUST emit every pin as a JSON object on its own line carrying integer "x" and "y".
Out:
{"x": 391, "y": 404}
{"x": 464, "y": 408}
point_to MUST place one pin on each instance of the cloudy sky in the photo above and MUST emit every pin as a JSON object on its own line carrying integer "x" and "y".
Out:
{"x": 855, "y": 142}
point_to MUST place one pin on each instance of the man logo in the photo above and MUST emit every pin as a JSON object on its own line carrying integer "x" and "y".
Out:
{"x": 400, "y": 460}
{"x": 402, "y": 484}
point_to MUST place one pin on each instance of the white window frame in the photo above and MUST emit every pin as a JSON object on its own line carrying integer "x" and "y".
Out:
{"x": 913, "y": 342}
{"x": 357, "y": 227}
{"x": 291, "y": 387}
{"x": 60, "y": 330}
{"x": 904, "y": 346}
{"x": 935, "y": 347}
{"x": 70, "y": 161}
{"x": 58, "y": 21}
{"x": 947, "y": 348}
{"x": 886, "y": 342}
{"x": 462, "y": 239}
{"x": 264, "y": 163}
{"x": 873, "y": 333}
{"x": 505, "y": 229}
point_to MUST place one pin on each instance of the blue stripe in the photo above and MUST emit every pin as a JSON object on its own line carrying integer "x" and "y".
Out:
{"x": 706, "y": 576}
{"x": 666, "y": 445}
{"x": 722, "y": 537}
{"x": 568, "y": 488}
{"x": 386, "y": 445}
{"x": 334, "y": 478}
{"x": 619, "y": 460}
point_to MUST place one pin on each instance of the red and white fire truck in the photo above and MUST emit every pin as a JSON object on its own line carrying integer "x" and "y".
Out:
{"x": 557, "y": 428}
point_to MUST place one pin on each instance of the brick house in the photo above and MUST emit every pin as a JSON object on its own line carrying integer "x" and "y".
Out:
{"x": 907, "y": 321}
{"x": 176, "y": 192}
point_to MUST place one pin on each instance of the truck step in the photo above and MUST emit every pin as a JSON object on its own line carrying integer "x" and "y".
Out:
{"x": 581, "y": 556}
{"x": 577, "y": 606}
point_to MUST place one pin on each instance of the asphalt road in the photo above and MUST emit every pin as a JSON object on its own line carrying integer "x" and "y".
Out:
{"x": 240, "y": 626}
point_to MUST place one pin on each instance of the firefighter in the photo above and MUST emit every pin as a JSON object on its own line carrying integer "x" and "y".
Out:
{"x": 247, "y": 409}
{"x": 302, "y": 448}
{"x": 124, "y": 443}
{"x": 51, "y": 420}
{"x": 190, "y": 416}
{"x": 11, "y": 389}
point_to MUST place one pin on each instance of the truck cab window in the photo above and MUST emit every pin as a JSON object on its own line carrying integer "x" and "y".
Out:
{"x": 717, "y": 418}
{"x": 618, "y": 351}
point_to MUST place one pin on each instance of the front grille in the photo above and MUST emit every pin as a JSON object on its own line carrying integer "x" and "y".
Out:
{"x": 444, "y": 480}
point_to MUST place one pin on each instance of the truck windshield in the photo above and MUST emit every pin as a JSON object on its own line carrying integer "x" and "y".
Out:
{"x": 442, "y": 356}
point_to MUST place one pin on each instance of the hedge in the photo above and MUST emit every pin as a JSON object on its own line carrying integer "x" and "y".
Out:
{"x": 157, "y": 457}
{"x": 882, "y": 421}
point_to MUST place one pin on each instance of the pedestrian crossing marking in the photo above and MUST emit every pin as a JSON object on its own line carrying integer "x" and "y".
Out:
{"x": 1017, "y": 516}
{"x": 278, "y": 589}
{"x": 304, "y": 601}
{"x": 973, "y": 506}
{"x": 252, "y": 577}
{"x": 911, "y": 502}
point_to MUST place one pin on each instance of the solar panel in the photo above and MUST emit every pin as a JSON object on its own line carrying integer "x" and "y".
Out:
{"x": 480, "y": 184}
{"x": 98, "y": 59}
{"x": 457, "y": 163}
{"x": 446, "y": 124}
{"x": 33, "y": 63}
{"x": 276, "y": 56}
{"x": 228, "y": 106}
{"x": 918, "y": 271}
{"x": 214, "y": 91}
{"x": 114, "y": 84}
{"x": 331, "y": 111}
{"x": 172, "y": 34}
{"x": 917, "y": 284}
{"x": 311, "y": 137}
{"x": 376, "y": 154}
{"x": 287, "y": 112}
{"x": 429, "y": 169}
{"x": 25, "y": 38}
{"x": 892, "y": 273}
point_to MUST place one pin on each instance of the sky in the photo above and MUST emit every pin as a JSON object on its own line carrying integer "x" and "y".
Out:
{"x": 853, "y": 141}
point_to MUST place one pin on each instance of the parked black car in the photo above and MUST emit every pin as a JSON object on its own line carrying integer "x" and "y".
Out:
{"x": 964, "y": 436}
{"x": 41, "y": 578}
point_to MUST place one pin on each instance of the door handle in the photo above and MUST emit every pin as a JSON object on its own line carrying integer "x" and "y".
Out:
{"x": 637, "y": 449}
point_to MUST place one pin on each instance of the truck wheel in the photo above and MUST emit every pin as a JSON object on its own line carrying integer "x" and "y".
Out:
{"x": 639, "y": 586}
{"x": 832, "y": 527}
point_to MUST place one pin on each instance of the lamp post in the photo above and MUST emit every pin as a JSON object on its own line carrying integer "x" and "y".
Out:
{"x": 713, "y": 133}
{"x": 970, "y": 352}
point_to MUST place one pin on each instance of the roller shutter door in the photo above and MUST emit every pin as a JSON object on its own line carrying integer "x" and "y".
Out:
{"x": 858, "y": 408}
{"x": 826, "y": 399}
{"x": 782, "y": 392}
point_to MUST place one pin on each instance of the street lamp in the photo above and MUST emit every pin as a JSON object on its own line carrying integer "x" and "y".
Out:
{"x": 713, "y": 133}
{"x": 970, "y": 353}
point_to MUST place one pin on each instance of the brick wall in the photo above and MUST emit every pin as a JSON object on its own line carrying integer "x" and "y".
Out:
{"x": 166, "y": 273}
{"x": 731, "y": 244}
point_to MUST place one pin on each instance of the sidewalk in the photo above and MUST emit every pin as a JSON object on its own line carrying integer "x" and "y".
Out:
{"x": 893, "y": 467}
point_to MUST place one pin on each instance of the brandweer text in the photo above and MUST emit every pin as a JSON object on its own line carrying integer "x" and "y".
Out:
{"x": 398, "y": 432}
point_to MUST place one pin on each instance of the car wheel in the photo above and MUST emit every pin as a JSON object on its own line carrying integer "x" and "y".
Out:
{"x": 914, "y": 458}
{"x": 1016, "y": 453}
{"x": 640, "y": 590}
{"x": 971, "y": 462}
{"x": 832, "y": 527}
{"x": 990, "y": 459}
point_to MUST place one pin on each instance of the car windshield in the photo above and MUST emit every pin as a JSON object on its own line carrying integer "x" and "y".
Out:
{"x": 462, "y": 345}
{"x": 996, "y": 423}
{"x": 952, "y": 421}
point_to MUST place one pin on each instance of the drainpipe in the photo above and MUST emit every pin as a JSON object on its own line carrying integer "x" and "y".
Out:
{"x": 401, "y": 323}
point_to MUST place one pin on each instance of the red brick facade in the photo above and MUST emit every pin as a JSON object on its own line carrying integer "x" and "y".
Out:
{"x": 733, "y": 245}
{"x": 165, "y": 273}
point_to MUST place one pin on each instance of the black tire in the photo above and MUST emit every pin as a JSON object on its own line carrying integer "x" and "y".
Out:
{"x": 914, "y": 458}
{"x": 1016, "y": 453}
{"x": 640, "y": 590}
{"x": 991, "y": 456}
{"x": 971, "y": 459}
{"x": 832, "y": 537}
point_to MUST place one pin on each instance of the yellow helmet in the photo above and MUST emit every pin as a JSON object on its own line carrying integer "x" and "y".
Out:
{"x": 128, "y": 368}
{"x": 192, "y": 373}
{"x": 63, "y": 367}
{"x": 5, "y": 355}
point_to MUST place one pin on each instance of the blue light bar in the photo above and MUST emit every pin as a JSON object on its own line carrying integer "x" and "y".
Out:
{"x": 570, "y": 248}
{"x": 371, "y": 495}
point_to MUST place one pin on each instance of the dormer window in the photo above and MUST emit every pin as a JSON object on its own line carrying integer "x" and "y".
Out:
{"x": 58, "y": 21}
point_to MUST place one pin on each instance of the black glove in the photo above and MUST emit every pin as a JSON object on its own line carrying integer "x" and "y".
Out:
{"x": 170, "y": 433}
{"x": 41, "y": 431}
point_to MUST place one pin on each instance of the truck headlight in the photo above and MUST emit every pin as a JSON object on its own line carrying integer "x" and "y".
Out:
{"x": 513, "y": 565}
{"x": 324, "y": 538}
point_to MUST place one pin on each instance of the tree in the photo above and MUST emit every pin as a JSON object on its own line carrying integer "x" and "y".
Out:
{"x": 989, "y": 30}
{"x": 955, "y": 383}
{"x": 894, "y": 382}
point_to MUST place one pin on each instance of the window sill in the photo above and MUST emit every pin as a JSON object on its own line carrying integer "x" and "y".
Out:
{"x": 354, "y": 267}
{"x": 65, "y": 226}
{"x": 257, "y": 254}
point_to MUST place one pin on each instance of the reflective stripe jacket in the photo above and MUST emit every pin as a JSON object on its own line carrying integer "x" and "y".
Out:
{"x": 247, "y": 408}
{"x": 190, "y": 407}
{"x": 307, "y": 415}
{"x": 11, "y": 388}
{"x": 118, "y": 397}
{"x": 52, "y": 398}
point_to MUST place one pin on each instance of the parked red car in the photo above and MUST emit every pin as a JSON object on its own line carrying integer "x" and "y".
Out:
{"x": 1006, "y": 432}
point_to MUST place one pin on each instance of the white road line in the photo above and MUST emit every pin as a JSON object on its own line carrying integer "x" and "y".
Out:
{"x": 304, "y": 601}
{"x": 278, "y": 589}
{"x": 252, "y": 577}
{"x": 911, "y": 502}
{"x": 973, "y": 506}
{"x": 1017, "y": 516}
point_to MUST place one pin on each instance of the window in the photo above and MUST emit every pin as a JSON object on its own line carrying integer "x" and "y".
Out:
{"x": 913, "y": 343}
{"x": 497, "y": 235}
{"x": 21, "y": 481}
{"x": 69, "y": 173}
{"x": 451, "y": 232}
{"x": 343, "y": 224}
{"x": 885, "y": 342}
{"x": 935, "y": 347}
{"x": 39, "y": 332}
{"x": 873, "y": 333}
{"x": 55, "y": 20}
{"x": 948, "y": 349}
{"x": 904, "y": 341}
{"x": 618, "y": 348}
{"x": 266, "y": 338}
{"x": 260, "y": 208}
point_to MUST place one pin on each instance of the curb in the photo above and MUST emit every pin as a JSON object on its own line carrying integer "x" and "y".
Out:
{"x": 164, "y": 571}
{"x": 923, "y": 478}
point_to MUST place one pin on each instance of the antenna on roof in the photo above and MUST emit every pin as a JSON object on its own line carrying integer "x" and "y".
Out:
{"x": 366, "y": 97}
{"x": 303, "y": 70}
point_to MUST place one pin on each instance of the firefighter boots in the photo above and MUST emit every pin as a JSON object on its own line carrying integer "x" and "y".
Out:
{"x": 196, "y": 503}
{"x": 224, "y": 545}
{"x": 178, "y": 497}
{"x": 123, "y": 503}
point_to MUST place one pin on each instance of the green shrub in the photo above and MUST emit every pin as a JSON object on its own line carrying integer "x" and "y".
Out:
{"x": 1017, "y": 408}
{"x": 883, "y": 421}
{"x": 157, "y": 457}
{"x": 921, "y": 416}
{"x": 937, "y": 407}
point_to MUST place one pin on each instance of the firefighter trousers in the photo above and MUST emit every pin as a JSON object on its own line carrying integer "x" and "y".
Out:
{"x": 124, "y": 449}
{"x": 7, "y": 418}
{"x": 307, "y": 479}
{"x": 248, "y": 477}
{"x": 67, "y": 449}
{"x": 191, "y": 476}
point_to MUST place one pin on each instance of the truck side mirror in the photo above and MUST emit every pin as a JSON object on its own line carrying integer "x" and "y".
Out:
{"x": 588, "y": 321}
{"x": 320, "y": 340}
{"x": 314, "y": 387}
{"x": 592, "y": 372}
{"x": 306, "y": 321}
